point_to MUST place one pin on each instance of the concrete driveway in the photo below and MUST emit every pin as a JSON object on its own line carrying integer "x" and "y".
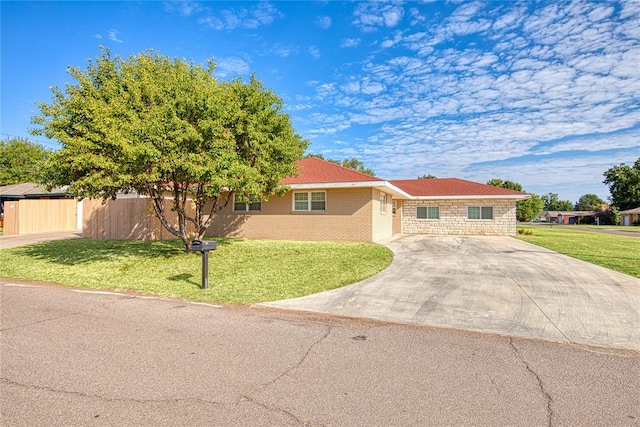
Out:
{"x": 492, "y": 284}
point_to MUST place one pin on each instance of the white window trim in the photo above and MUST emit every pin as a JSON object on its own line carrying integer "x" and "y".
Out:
{"x": 383, "y": 203}
{"x": 246, "y": 205}
{"x": 481, "y": 209}
{"x": 427, "y": 218}
{"x": 309, "y": 201}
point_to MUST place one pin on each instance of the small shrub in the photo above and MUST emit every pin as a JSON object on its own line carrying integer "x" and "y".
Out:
{"x": 525, "y": 231}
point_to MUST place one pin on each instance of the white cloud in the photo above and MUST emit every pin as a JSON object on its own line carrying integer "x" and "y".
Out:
{"x": 349, "y": 42}
{"x": 324, "y": 90}
{"x": 390, "y": 41}
{"x": 113, "y": 35}
{"x": 368, "y": 16}
{"x": 279, "y": 49}
{"x": 184, "y": 8}
{"x": 324, "y": 22}
{"x": 592, "y": 143}
{"x": 211, "y": 22}
{"x": 263, "y": 14}
{"x": 231, "y": 66}
{"x": 314, "y": 51}
{"x": 351, "y": 87}
{"x": 260, "y": 14}
{"x": 493, "y": 90}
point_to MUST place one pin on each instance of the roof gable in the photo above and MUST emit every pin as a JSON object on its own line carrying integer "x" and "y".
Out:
{"x": 312, "y": 170}
{"x": 442, "y": 187}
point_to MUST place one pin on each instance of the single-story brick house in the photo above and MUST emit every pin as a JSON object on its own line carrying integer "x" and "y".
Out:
{"x": 330, "y": 202}
{"x": 630, "y": 217}
{"x": 567, "y": 217}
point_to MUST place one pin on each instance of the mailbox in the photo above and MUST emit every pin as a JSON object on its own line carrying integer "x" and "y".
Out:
{"x": 204, "y": 246}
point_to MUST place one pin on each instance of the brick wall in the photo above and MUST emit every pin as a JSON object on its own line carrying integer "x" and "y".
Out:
{"x": 453, "y": 218}
{"x": 348, "y": 217}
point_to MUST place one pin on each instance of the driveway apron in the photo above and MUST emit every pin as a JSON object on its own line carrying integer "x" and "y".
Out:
{"x": 492, "y": 284}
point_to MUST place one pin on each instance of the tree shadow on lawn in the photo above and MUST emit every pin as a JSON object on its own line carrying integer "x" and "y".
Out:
{"x": 83, "y": 251}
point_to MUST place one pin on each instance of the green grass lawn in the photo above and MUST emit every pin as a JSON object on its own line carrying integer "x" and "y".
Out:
{"x": 240, "y": 271}
{"x": 629, "y": 229}
{"x": 618, "y": 253}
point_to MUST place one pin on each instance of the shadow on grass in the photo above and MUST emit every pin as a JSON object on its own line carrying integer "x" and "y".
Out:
{"x": 185, "y": 278}
{"x": 83, "y": 251}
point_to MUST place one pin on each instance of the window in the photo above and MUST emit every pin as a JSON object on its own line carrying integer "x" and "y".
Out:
{"x": 480, "y": 212}
{"x": 254, "y": 204}
{"x": 428, "y": 212}
{"x": 383, "y": 203}
{"x": 311, "y": 201}
{"x": 394, "y": 207}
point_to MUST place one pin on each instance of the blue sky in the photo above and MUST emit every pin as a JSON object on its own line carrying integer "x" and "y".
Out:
{"x": 546, "y": 94}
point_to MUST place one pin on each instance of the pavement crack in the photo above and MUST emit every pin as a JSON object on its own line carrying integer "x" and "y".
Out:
{"x": 108, "y": 399}
{"x": 52, "y": 319}
{"x": 304, "y": 357}
{"x": 545, "y": 394}
{"x": 274, "y": 409}
{"x": 297, "y": 365}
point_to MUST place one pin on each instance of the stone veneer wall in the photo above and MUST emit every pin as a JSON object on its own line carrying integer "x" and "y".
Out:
{"x": 453, "y": 218}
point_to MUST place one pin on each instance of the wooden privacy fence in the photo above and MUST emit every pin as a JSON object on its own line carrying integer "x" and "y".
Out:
{"x": 28, "y": 216}
{"x": 127, "y": 219}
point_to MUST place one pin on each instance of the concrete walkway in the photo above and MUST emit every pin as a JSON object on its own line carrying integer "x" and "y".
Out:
{"x": 492, "y": 284}
{"x": 7, "y": 242}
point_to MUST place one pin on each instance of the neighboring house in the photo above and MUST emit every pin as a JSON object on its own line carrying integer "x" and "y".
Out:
{"x": 29, "y": 208}
{"x": 29, "y": 190}
{"x": 567, "y": 217}
{"x": 630, "y": 217}
{"x": 330, "y": 202}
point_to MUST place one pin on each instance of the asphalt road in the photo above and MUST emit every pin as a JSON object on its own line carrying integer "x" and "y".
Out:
{"x": 104, "y": 359}
{"x": 492, "y": 284}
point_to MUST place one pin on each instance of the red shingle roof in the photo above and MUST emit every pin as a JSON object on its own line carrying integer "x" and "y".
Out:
{"x": 313, "y": 170}
{"x": 439, "y": 187}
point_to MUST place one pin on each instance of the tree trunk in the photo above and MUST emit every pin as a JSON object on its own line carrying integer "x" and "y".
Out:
{"x": 180, "y": 195}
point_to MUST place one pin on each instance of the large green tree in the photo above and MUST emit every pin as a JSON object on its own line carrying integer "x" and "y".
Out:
{"x": 167, "y": 129}
{"x": 527, "y": 209}
{"x": 624, "y": 185}
{"x": 553, "y": 203}
{"x": 21, "y": 161}
{"x": 496, "y": 182}
{"x": 589, "y": 202}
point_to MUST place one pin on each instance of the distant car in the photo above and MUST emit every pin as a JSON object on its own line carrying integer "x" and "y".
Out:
{"x": 538, "y": 220}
